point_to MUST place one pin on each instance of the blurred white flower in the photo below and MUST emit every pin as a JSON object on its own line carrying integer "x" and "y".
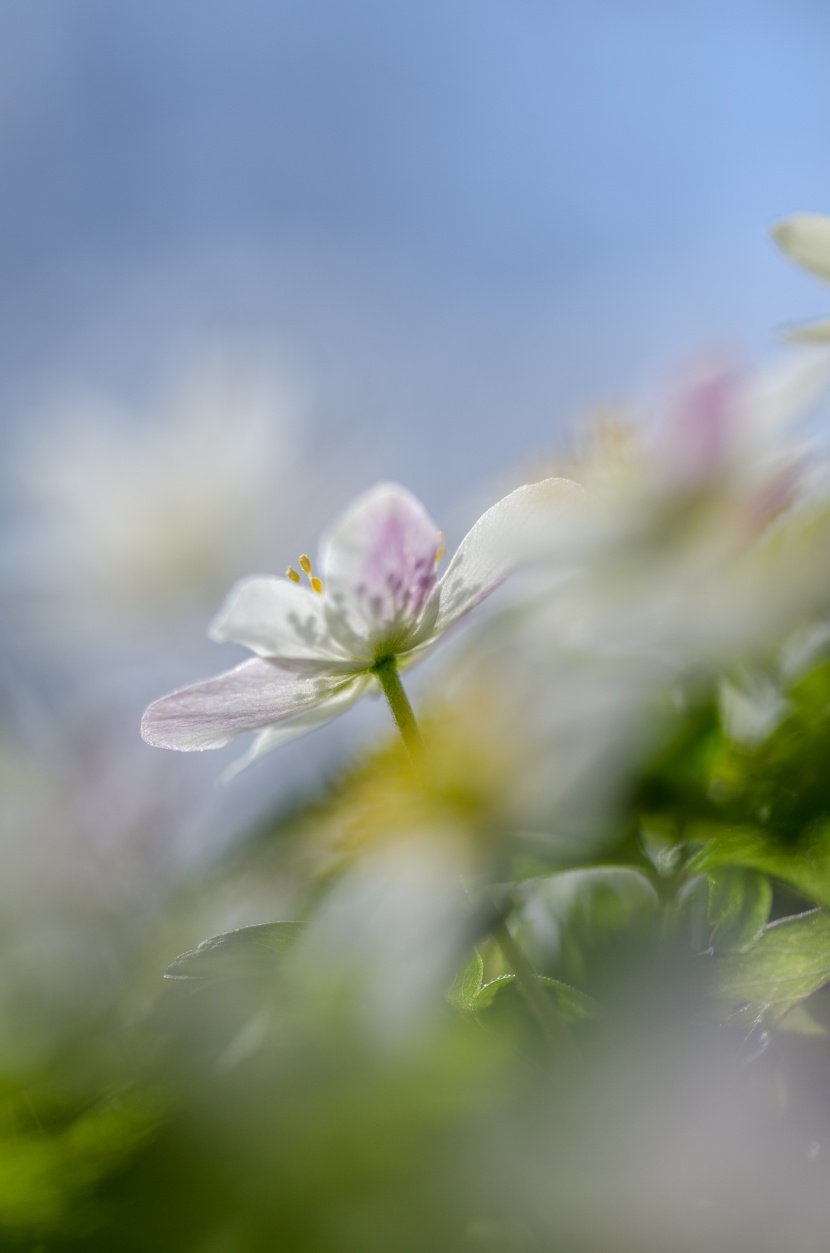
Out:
{"x": 805, "y": 237}
{"x": 392, "y": 929}
{"x": 127, "y": 520}
{"x": 89, "y": 854}
{"x": 703, "y": 545}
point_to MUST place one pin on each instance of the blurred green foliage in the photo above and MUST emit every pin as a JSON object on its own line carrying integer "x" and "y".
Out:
{"x": 254, "y": 1101}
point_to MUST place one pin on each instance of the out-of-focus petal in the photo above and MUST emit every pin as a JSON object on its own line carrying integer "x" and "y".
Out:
{"x": 771, "y": 402}
{"x": 378, "y": 567}
{"x": 515, "y": 529}
{"x": 809, "y": 333}
{"x": 257, "y": 694}
{"x": 805, "y": 237}
{"x": 275, "y": 618}
{"x": 701, "y": 429}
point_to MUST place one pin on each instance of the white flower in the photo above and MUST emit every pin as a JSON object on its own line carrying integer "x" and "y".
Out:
{"x": 805, "y": 237}
{"x": 710, "y": 547}
{"x": 128, "y": 520}
{"x": 378, "y": 603}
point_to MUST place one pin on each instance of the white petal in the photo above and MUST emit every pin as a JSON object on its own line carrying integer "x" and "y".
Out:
{"x": 272, "y": 737}
{"x": 809, "y": 333}
{"x": 776, "y": 397}
{"x": 251, "y": 697}
{"x": 378, "y": 567}
{"x": 275, "y": 618}
{"x": 516, "y": 529}
{"x": 805, "y": 237}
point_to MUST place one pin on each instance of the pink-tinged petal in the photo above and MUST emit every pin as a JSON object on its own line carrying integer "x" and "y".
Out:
{"x": 379, "y": 568}
{"x": 275, "y": 618}
{"x": 251, "y": 697}
{"x": 518, "y": 528}
{"x": 703, "y": 424}
{"x": 273, "y": 737}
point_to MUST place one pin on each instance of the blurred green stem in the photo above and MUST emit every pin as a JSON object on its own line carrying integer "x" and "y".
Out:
{"x": 538, "y": 1000}
{"x": 389, "y": 679}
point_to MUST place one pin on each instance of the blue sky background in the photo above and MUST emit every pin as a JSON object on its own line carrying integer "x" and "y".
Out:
{"x": 462, "y": 220}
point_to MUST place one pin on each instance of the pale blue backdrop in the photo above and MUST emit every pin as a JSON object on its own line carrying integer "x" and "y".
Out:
{"x": 461, "y": 219}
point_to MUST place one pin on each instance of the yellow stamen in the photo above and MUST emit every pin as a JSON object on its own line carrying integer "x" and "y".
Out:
{"x": 305, "y": 564}
{"x": 442, "y": 548}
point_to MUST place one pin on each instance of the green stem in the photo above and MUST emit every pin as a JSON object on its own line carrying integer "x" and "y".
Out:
{"x": 393, "y": 690}
{"x": 533, "y": 991}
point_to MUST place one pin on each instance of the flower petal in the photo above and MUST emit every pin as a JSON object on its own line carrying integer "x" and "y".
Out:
{"x": 378, "y": 566}
{"x": 779, "y": 394}
{"x": 275, "y": 618}
{"x": 251, "y": 697}
{"x": 809, "y": 333}
{"x": 514, "y": 530}
{"x": 272, "y": 737}
{"x": 805, "y": 237}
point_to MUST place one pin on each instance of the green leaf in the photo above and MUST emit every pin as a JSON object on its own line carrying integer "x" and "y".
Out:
{"x": 804, "y": 863}
{"x": 572, "y": 1005}
{"x": 467, "y": 984}
{"x": 739, "y": 905}
{"x": 596, "y": 896}
{"x": 46, "y": 1170}
{"x": 578, "y": 917}
{"x": 489, "y": 991}
{"x": 789, "y": 962}
{"x": 247, "y": 952}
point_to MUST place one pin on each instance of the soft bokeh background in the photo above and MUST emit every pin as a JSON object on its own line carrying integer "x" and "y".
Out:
{"x": 253, "y": 257}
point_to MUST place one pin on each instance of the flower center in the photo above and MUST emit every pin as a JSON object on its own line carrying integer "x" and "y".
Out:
{"x": 305, "y": 565}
